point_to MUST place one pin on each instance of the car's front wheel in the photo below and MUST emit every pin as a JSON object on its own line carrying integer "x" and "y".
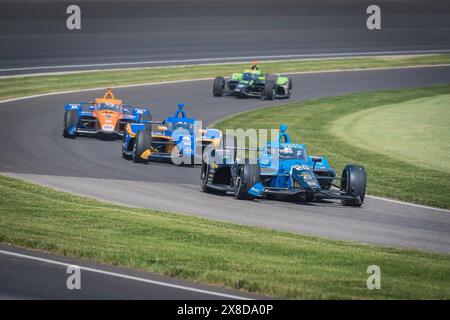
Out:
{"x": 246, "y": 176}
{"x": 205, "y": 177}
{"x": 289, "y": 93}
{"x": 353, "y": 183}
{"x": 269, "y": 90}
{"x": 218, "y": 86}
{"x": 142, "y": 143}
{"x": 70, "y": 123}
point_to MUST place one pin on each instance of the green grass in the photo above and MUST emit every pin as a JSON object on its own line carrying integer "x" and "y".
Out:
{"x": 247, "y": 258}
{"x": 315, "y": 123}
{"x": 22, "y": 86}
{"x": 416, "y": 131}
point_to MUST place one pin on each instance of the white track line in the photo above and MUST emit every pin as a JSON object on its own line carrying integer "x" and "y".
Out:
{"x": 288, "y": 56}
{"x": 123, "y": 276}
{"x": 101, "y": 88}
{"x": 408, "y": 204}
{"x": 26, "y": 75}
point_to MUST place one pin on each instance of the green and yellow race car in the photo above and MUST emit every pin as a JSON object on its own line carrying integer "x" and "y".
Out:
{"x": 253, "y": 83}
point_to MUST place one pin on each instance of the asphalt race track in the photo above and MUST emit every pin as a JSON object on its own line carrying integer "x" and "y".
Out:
{"x": 34, "y": 149}
{"x": 19, "y": 269}
{"x": 33, "y": 34}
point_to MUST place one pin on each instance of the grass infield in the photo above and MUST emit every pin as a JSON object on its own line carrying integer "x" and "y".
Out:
{"x": 247, "y": 258}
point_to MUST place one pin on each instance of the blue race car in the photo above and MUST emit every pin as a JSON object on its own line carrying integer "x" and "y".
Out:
{"x": 105, "y": 117}
{"x": 175, "y": 138}
{"x": 282, "y": 169}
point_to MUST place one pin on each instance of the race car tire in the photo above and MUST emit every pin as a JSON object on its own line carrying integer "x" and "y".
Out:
{"x": 176, "y": 153}
{"x": 204, "y": 184}
{"x": 219, "y": 86}
{"x": 246, "y": 176}
{"x": 269, "y": 90}
{"x": 142, "y": 142}
{"x": 204, "y": 177}
{"x": 353, "y": 183}
{"x": 146, "y": 117}
{"x": 289, "y": 93}
{"x": 183, "y": 163}
{"x": 70, "y": 121}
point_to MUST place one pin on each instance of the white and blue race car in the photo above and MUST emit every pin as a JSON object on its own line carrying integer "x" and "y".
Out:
{"x": 282, "y": 170}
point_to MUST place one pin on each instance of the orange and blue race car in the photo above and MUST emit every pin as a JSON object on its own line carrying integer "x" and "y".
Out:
{"x": 104, "y": 117}
{"x": 179, "y": 139}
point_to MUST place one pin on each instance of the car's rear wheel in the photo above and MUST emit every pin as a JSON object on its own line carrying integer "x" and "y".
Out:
{"x": 289, "y": 93}
{"x": 353, "y": 183}
{"x": 269, "y": 90}
{"x": 70, "y": 121}
{"x": 142, "y": 142}
{"x": 205, "y": 177}
{"x": 219, "y": 86}
{"x": 246, "y": 176}
{"x": 179, "y": 159}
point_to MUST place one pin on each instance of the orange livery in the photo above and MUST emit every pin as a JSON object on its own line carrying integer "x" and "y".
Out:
{"x": 104, "y": 117}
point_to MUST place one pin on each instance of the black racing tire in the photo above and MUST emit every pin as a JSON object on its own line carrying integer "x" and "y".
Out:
{"x": 176, "y": 149}
{"x": 205, "y": 170}
{"x": 146, "y": 117}
{"x": 246, "y": 176}
{"x": 269, "y": 90}
{"x": 289, "y": 93}
{"x": 70, "y": 120}
{"x": 353, "y": 183}
{"x": 191, "y": 160}
{"x": 204, "y": 184}
{"x": 219, "y": 86}
{"x": 142, "y": 142}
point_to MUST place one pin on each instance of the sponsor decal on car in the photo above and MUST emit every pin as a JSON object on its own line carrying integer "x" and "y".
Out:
{"x": 108, "y": 128}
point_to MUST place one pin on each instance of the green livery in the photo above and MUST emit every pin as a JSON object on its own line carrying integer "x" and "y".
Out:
{"x": 253, "y": 83}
